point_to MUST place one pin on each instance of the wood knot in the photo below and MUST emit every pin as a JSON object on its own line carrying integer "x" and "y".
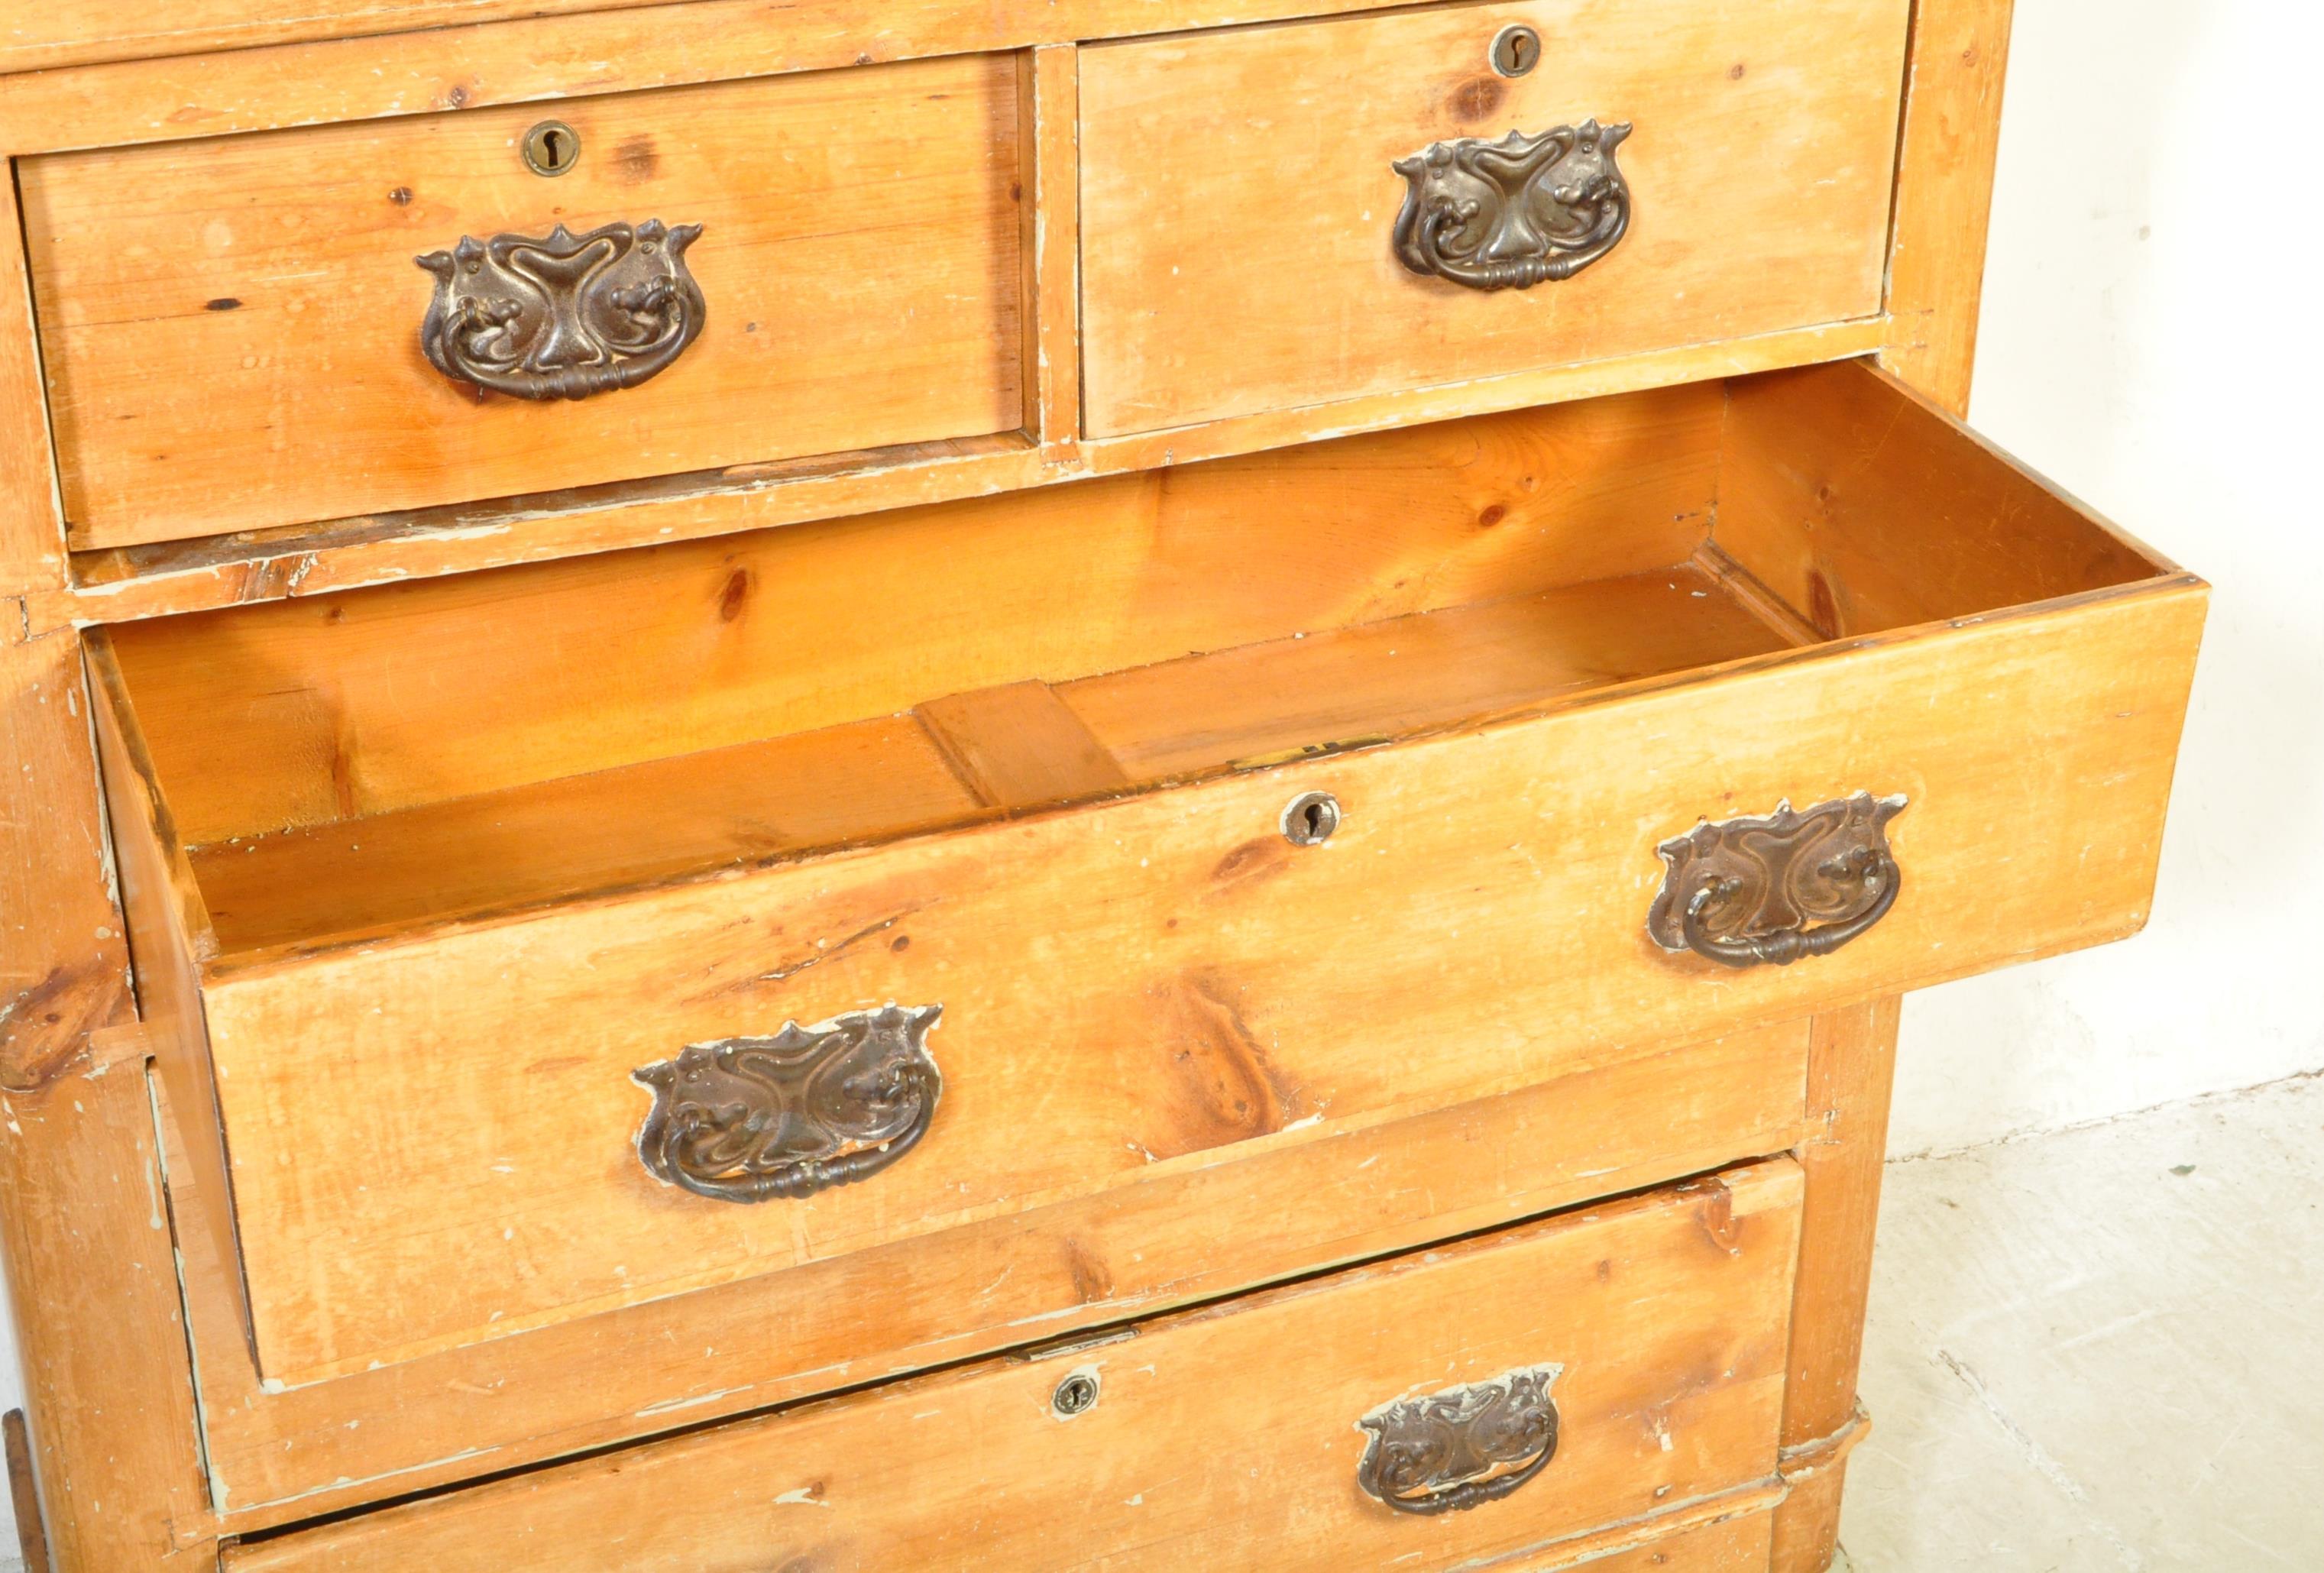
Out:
{"x": 1478, "y": 98}
{"x": 735, "y": 595}
{"x": 636, "y": 160}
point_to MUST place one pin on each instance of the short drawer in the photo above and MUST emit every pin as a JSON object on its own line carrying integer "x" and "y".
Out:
{"x": 277, "y": 328}
{"x": 1284, "y": 216}
{"x": 1579, "y": 1386}
{"x": 537, "y": 984}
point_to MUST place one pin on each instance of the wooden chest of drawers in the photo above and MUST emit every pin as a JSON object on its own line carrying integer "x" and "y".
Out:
{"x": 897, "y": 784}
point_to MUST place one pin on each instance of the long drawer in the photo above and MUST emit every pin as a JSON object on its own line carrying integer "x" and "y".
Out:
{"x": 254, "y": 331}
{"x": 1581, "y": 1385}
{"x": 862, "y": 906}
{"x": 1284, "y": 216}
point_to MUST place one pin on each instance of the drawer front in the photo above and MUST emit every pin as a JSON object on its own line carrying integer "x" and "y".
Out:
{"x": 1497, "y": 1397}
{"x": 234, "y": 328}
{"x": 1242, "y": 204}
{"x": 1166, "y": 981}
{"x": 1164, "y": 1014}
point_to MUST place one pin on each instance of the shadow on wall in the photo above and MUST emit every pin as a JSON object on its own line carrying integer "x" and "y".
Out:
{"x": 2145, "y": 343}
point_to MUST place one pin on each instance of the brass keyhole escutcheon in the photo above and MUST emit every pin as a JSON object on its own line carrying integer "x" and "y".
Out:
{"x": 1517, "y": 50}
{"x": 551, "y": 148}
{"x": 1076, "y": 1394}
{"x": 1311, "y": 819}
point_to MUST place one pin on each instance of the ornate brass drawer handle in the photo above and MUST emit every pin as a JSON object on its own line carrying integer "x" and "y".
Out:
{"x": 1463, "y": 1448}
{"x": 1508, "y": 215}
{"x": 1747, "y": 891}
{"x": 565, "y": 316}
{"x": 749, "y": 1119}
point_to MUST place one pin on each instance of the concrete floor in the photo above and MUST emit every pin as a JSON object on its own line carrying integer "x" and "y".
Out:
{"x": 2102, "y": 1350}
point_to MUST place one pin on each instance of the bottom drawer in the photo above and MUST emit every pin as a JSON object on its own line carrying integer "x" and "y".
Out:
{"x": 1607, "y": 1380}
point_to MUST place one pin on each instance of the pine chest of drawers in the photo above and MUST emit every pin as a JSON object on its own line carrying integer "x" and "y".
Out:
{"x": 910, "y": 785}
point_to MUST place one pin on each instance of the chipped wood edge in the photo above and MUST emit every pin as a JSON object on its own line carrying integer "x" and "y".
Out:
{"x": 345, "y": 555}
{"x": 264, "y": 960}
{"x": 1638, "y": 1534}
{"x": 256, "y": 80}
{"x": 1800, "y": 1460}
{"x": 1051, "y": 182}
{"x": 1851, "y": 1074}
{"x": 32, "y": 553}
{"x": 107, "y": 1374}
{"x": 24, "y": 1494}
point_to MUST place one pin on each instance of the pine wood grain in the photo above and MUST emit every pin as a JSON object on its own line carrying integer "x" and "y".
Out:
{"x": 2036, "y": 751}
{"x": 127, "y": 584}
{"x": 1944, "y": 193}
{"x": 1640, "y": 1116}
{"x": 90, "y": 1273}
{"x": 32, "y": 530}
{"x": 1021, "y": 746}
{"x": 1822, "y": 463}
{"x": 506, "y": 850}
{"x": 1013, "y": 748}
{"x": 1237, "y": 195}
{"x": 341, "y": 1276}
{"x": 1736, "y": 1545}
{"x": 93, "y": 1293}
{"x": 64, "y": 961}
{"x": 1852, "y": 1072}
{"x": 309, "y": 710}
{"x": 224, "y": 66}
{"x": 1187, "y": 718}
{"x": 1211, "y": 1429}
{"x": 1050, "y": 86}
{"x": 171, "y": 936}
{"x": 232, "y": 327}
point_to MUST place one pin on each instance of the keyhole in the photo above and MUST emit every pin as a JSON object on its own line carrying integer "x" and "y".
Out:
{"x": 551, "y": 148}
{"x": 1076, "y": 1394}
{"x": 1311, "y": 819}
{"x": 1517, "y": 50}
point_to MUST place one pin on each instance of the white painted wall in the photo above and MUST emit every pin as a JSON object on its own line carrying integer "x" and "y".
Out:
{"x": 2152, "y": 342}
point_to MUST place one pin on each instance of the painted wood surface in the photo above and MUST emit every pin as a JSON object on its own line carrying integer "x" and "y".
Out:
{"x": 1211, "y": 1430}
{"x": 231, "y": 328}
{"x": 1237, "y": 197}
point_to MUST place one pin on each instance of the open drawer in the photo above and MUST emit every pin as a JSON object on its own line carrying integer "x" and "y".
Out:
{"x": 569, "y": 935}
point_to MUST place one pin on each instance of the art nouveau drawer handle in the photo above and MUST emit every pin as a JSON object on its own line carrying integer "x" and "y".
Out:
{"x": 749, "y": 1119}
{"x": 1747, "y": 891}
{"x": 1463, "y": 1447}
{"x": 565, "y": 316}
{"x": 1508, "y": 215}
